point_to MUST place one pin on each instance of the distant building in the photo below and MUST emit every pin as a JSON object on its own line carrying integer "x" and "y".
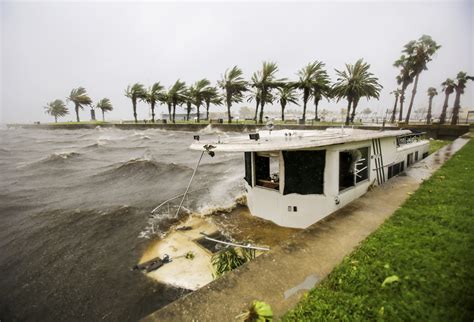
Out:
{"x": 182, "y": 116}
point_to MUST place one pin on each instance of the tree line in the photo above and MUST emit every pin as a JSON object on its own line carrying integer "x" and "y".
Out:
{"x": 414, "y": 60}
{"x": 80, "y": 99}
{"x": 264, "y": 88}
{"x": 313, "y": 84}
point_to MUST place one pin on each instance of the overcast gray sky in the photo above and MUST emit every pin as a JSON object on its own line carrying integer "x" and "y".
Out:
{"x": 48, "y": 48}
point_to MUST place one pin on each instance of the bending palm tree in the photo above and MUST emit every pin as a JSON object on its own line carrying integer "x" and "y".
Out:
{"x": 448, "y": 89}
{"x": 177, "y": 96}
{"x": 459, "y": 87}
{"x": 136, "y": 92}
{"x": 286, "y": 94}
{"x": 266, "y": 83}
{"x": 404, "y": 79}
{"x": 431, "y": 93}
{"x": 396, "y": 93}
{"x": 153, "y": 96}
{"x": 211, "y": 96}
{"x": 356, "y": 82}
{"x": 56, "y": 108}
{"x": 233, "y": 85}
{"x": 165, "y": 98}
{"x": 305, "y": 83}
{"x": 80, "y": 98}
{"x": 321, "y": 86}
{"x": 256, "y": 93}
{"x": 105, "y": 105}
{"x": 197, "y": 93}
{"x": 188, "y": 101}
{"x": 419, "y": 52}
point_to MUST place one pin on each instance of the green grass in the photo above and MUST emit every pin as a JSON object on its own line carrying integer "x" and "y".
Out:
{"x": 428, "y": 244}
{"x": 435, "y": 145}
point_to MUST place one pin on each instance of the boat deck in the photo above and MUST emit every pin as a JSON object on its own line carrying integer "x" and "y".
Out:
{"x": 294, "y": 140}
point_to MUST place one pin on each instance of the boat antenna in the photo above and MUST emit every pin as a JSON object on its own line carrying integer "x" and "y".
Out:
{"x": 207, "y": 149}
{"x": 269, "y": 125}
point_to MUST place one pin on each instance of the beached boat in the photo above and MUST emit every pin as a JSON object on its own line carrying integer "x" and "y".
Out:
{"x": 292, "y": 179}
{"x": 296, "y": 178}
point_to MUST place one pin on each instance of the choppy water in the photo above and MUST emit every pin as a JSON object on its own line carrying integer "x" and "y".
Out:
{"x": 72, "y": 205}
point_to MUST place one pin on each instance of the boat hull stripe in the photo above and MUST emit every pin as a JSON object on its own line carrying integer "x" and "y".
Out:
{"x": 381, "y": 161}
{"x": 374, "y": 148}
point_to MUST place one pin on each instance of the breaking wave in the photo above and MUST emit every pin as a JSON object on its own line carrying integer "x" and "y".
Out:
{"x": 145, "y": 169}
{"x": 58, "y": 158}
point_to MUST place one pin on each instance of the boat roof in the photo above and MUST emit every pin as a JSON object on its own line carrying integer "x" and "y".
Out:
{"x": 293, "y": 139}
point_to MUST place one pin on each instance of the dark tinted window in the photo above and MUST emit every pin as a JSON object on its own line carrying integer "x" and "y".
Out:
{"x": 304, "y": 172}
{"x": 262, "y": 167}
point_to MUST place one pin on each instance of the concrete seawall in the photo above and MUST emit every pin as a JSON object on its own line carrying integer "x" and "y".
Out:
{"x": 435, "y": 131}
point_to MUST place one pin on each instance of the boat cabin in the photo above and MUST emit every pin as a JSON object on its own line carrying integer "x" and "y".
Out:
{"x": 296, "y": 178}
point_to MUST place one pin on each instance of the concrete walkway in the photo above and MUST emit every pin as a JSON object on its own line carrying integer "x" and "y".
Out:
{"x": 281, "y": 276}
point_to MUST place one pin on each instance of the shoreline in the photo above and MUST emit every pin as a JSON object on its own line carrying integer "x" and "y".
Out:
{"x": 434, "y": 131}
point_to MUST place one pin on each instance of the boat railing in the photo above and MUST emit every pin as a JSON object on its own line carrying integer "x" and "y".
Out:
{"x": 170, "y": 204}
{"x": 410, "y": 138}
{"x": 170, "y": 209}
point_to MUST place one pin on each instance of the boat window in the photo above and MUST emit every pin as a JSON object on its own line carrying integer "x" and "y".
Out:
{"x": 409, "y": 159}
{"x": 248, "y": 167}
{"x": 267, "y": 171}
{"x": 416, "y": 156}
{"x": 362, "y": 165}
{"x": 304, "y": 172}
{"x": 395, "y": 169}
{"x": 353, "y": 167}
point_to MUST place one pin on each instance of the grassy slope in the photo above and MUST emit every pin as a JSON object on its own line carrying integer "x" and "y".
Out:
{"x": 428, "y": 243}
{"x": 435, "y": 145}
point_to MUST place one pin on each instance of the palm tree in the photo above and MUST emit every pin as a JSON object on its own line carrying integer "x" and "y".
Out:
{"x": 136, "y": 92}
{"x": 305, "y": 83}
{"x": 233, "y": 85}
{"x": 286, "y": 94}
{"x": 197, "y": 91}
{"x": 153, "y": 96}
{"x": 419, "y": 52}
{"x": 188, "y": 101}
{"x": 321, "y": 86}
{"x": 459, "y": 87}
{"x": 105, "y": 105}
{"x": 165, "y": 98}
{"x": 397, "y": 94}
{"x": 255, "y": 93}
{"x": 356, "y": 82}
{"x": 448, "y": 89}
{"x": 431, "y": 93}
{"x": 211, "y": 96}
{"x": 266, "y": 82}
{"x": 56, "y": 108}
{"x": 177, "y": 96}
{"x": 80, "y": 98}
{"x": 404, "y": 79}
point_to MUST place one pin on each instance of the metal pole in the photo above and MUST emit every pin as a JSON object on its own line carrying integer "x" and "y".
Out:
{"x": 233, "y": 244}
{"x": 189, "y": 184}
